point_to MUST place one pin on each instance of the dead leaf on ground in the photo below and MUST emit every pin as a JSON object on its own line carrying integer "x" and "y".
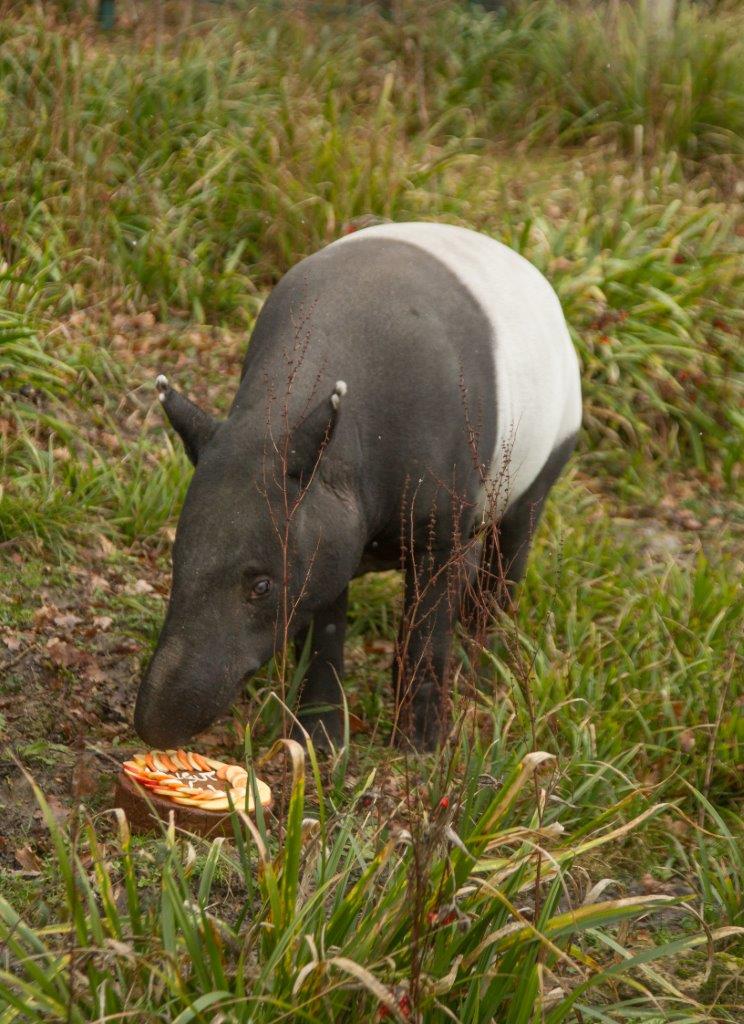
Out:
{"x": 28, "y": 860}
{"x": 143, "y": 587}
{"x": 94, "y": 673}
{"x": 126, "y": 646}
{"x": 102, "y": 622}
{"x": 12, "y": 641}
{"x": 58, "y": 809}
{"x": 85, "y": 775}
{"x": 66, "y": 621}
{"x": 45, "y": 614}
{"x": 356, "y": 724}
{"x": 63, "y": 654}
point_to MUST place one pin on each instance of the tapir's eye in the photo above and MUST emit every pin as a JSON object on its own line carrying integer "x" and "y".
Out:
{"x": 261, "y": 587}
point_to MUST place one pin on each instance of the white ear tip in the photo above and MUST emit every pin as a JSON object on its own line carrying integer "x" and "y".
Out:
{"x": 341, "y": 388}
{"x": 161, "y": 382}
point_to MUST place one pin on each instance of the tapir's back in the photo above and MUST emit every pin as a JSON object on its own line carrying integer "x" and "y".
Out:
{"x": 538, "y": 396}
{"x": 448, "y": 341}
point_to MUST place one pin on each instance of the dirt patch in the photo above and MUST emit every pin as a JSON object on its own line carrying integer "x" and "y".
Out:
{"x": 73, "y": 642}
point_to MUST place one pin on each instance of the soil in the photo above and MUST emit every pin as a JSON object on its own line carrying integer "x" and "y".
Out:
{"x": 69, "y": 670}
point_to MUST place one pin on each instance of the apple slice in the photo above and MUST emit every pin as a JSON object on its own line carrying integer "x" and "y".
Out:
{"x": 168, "y": 763}
{"x": 184, "y": 760}
{"x": 199, "y": 762}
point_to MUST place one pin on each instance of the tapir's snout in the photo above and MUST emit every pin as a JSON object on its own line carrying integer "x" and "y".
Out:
{"x": 160, "y": 733}
{"x": 177, "y": 700}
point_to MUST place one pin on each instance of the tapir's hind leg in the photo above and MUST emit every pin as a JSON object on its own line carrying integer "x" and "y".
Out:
{"x": 506, "y": 549}
{"x": 420, "y": 668}
{"x": 507, "y": 546}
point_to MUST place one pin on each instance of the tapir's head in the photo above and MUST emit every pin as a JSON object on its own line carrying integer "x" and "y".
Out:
{"x": 260, "y": 543}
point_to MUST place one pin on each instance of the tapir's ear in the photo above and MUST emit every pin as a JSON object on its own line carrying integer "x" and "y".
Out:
{"x": 194, "y": 426}
{"x": 312, "y": 435}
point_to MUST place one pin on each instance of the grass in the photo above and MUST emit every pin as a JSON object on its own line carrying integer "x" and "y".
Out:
{"x": 153, "y": 184}
{"x": 626, "y": 73}
{"x": 325, "y": 930}
{"x": 647, "y": 278}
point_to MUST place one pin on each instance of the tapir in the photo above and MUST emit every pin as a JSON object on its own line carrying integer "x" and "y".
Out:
{"x": 406, "y": 389}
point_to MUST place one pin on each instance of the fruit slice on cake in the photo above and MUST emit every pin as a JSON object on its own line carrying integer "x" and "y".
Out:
{"x": 192, "y": 780}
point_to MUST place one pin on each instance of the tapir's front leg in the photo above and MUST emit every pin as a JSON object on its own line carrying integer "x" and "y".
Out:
{"x": 420, "y": 670}
{"x": 320, "y": 697}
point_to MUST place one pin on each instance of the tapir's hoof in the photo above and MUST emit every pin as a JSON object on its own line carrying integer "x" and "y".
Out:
{"x": 325, "y": 732}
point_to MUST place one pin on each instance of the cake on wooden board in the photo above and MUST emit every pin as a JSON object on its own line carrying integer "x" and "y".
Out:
{"x": 197, "y": 790}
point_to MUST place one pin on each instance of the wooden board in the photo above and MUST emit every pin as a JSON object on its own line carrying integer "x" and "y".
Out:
{"x": 146, "y": 812}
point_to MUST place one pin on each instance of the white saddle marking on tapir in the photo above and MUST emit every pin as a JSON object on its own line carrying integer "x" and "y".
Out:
{"x": 538, "y": 390}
